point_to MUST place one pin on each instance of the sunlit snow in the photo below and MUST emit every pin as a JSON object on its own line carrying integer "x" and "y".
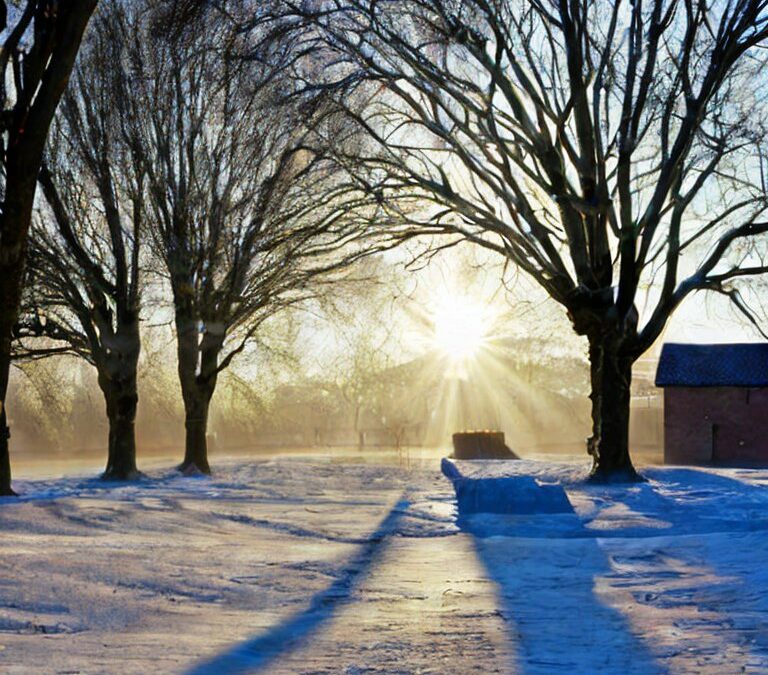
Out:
{"x": 293, "y": 566}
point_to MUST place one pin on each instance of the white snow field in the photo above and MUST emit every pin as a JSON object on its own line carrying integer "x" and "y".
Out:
{"x": 297, "y": 566}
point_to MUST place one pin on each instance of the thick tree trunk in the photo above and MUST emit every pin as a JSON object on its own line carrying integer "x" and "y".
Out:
{"x": 197, "y": 390}
{"x": 122, "y": 401}
{"x": 5, "y": 460}
{"x": 23, "y": 155}
{"x": 611, "y": 377}
{"x": 117, "y": 360}
{"x": 196, "y": 447}
{"x": 13, "y": 245}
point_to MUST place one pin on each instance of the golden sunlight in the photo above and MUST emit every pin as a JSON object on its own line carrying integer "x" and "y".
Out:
{"x": 460, "y": 325}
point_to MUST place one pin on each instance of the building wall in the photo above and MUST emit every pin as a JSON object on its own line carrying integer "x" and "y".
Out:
{"x": 715, "y": 424}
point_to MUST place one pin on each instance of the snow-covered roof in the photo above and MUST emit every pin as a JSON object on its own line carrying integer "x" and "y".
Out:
{"x": 718, "y": 365}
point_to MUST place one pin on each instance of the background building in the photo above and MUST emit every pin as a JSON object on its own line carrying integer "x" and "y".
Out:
{"x": 715, "y": 403}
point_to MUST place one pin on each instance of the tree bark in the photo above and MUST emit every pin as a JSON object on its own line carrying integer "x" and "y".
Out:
{"x": 611, "y": 377}
{"x": 196, "y": 390}
{"x": 14, "y": 226}
{"x": 5, "y": 460}
{"x": 116, "y": 356}
{"x": 196, "y": 445}
{"x": 122, "y": 400}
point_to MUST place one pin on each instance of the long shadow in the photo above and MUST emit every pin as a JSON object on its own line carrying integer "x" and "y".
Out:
{"x": 684, "y": 501}
{"x": 557, "y": 618}
{"x": 545, "y": 565}
{"x": 555, "y": 579}
{"x": 257, "y": 653}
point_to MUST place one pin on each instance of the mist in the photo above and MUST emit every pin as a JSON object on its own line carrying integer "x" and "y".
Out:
{"x": 364, "y": 369}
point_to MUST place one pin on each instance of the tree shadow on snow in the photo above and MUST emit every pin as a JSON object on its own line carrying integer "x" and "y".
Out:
{"x": 257, "y": 653}
{"x": 558, "y": 619}
{"x": 558, "y": 585}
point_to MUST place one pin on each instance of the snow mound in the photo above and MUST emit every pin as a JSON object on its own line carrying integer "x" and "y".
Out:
{"x": 512, "y": 494}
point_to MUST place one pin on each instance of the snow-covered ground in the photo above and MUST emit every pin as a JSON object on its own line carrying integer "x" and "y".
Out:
{"x": 299, "y": 566}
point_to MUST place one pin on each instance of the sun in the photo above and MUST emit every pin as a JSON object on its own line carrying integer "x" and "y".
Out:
{"x": 460, "y": 326}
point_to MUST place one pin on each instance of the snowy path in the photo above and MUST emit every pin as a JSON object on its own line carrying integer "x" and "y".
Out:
{"x": 295, "y": 567}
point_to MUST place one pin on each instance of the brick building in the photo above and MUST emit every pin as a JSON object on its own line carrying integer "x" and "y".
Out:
{"x": 715, "y": 403}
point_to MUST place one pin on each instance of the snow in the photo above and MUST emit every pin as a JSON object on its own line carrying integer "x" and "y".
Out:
{"x": 664, "y": 576}
{"x": 310, "y": 566}
{"x": 517, "y": 493}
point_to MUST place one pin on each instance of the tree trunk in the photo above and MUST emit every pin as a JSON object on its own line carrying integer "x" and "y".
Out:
{"x": 196, "y": 390}
{"x": 13, "y": 245}
{"x": 611, "y": 377}
{"x": 5, "y": 460}
{"x": 356, "y": 424}
{"x": 13, "y": 237}
{"x": 23, "y": 156}
{"x": 122, "y": 401}
{"x": 196, "y": 424}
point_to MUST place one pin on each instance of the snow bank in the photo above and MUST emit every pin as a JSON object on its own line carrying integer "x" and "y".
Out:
{"x": 502, "y": 492}
{"x": 496, "y": 495}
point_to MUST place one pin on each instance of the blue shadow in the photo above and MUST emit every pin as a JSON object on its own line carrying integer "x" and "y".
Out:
{"x": 557, "y": 620}
{"x": 535, "y": 548}
{"x": 555, "y": 578}
{"x": 257, "y": 653}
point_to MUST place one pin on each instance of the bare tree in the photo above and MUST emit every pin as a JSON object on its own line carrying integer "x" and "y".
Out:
{"x": 364, "y": 340}
{"x": 357, "y": 378}
{"x": 39, "y": 44}
{"x": 603, "y": 147}
{"x": 83, "y": 291}
{"x": 247, "y": 215}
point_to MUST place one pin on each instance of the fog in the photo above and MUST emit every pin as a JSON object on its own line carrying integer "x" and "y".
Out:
{"x": 387, "y": 366}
